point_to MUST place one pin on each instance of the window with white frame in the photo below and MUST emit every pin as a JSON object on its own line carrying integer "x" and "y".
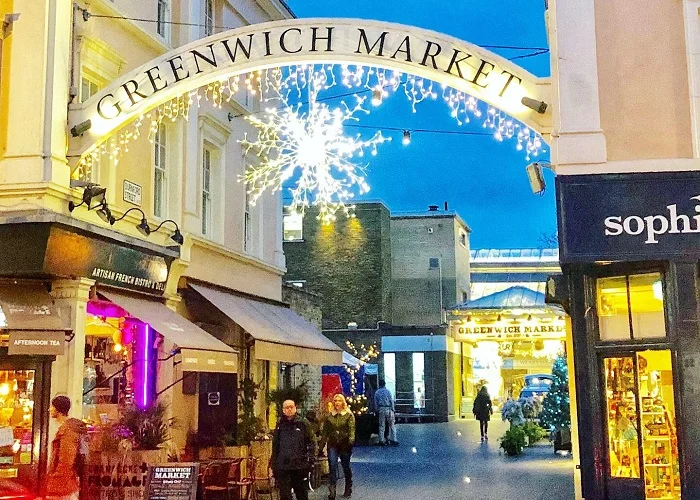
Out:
{"x": 160, "y": 174}
{"x": 463, "y": 238}
{"x": 208, "y": 17}
{"x": 292, "y": 226}
{"x": 89, "y": 86}
{"x": 247, "y": 227}
{"x": 207, "y": 164}
{"x": 163, "y": 24}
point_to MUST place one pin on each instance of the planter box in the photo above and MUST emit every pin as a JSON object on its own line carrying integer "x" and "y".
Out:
{"x": 262, "y": 450}
{"x": 119, "y": 475}
{"x": 214, "y": 452}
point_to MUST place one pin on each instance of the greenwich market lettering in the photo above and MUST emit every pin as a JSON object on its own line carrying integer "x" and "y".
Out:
{"x": 653, "y": 226}
{"x": 511, "y": 329}
{"x": 217, "y": 55}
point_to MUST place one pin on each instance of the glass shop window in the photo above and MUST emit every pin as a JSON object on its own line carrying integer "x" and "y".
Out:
{"x": 16, "y": 416}
{"x": 390, "y": 372}
{"x": 631, "y": 307}
{"x": 622, "y": 414}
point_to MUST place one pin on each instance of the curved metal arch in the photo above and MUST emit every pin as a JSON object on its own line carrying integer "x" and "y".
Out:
{"x": 428, "y": 54}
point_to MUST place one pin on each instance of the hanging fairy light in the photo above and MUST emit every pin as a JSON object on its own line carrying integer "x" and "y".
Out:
{"x": 406, "y": 138}
{"x": 295, "y": 80}
{"x": 312, "y": 143}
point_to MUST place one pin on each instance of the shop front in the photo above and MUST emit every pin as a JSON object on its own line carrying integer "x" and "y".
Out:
{"x": 32, "y": 335}
{"x": 507, "y": 337}
{"x": 630, "y": 246}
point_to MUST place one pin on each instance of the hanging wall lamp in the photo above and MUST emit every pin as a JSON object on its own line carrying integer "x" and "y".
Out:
{"x": 93, "y": 197}
{"x": 176, "y": 236}
{"x": 142, "y": 227}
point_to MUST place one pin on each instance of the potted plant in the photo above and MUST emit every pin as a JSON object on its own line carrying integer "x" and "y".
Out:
{"x": 514, "y": 440}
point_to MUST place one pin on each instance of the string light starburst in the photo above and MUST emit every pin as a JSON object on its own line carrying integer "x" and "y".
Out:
{"x": 309, "y": 140}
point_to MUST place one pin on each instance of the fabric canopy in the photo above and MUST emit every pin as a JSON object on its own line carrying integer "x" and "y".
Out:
{"x": 28, "y": 307}
{"x": 200, "y": 351}
{"x": 279, "y": 333}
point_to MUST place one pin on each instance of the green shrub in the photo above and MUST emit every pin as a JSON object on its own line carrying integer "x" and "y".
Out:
{"x": 534, "y": 432}
{"x": 513, "y": 441}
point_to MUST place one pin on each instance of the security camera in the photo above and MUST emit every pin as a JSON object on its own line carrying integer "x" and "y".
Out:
{"x": 534, "y": 175}
{"x": 80, "y": 128}
{"x": 534, "y": 104}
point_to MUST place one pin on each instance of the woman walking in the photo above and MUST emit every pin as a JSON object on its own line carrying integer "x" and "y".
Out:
{"x": 482, "y": 411}
{"x": 339, "y": 434}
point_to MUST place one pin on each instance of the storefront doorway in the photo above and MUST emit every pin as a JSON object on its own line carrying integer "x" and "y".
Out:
{"x": 640, "y": 425}
{"x": 24, "y": 416}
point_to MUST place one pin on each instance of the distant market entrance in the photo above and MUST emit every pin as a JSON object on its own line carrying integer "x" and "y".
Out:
{"x": 509, "y": 340}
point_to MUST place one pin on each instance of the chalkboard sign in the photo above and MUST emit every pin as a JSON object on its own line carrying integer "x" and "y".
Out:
{"x": 175, "y": 481}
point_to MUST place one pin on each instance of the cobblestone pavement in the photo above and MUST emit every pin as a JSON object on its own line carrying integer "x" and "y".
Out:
{"x": 450, "y": 462}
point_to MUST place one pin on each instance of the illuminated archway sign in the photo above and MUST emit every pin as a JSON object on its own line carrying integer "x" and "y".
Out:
{"x": 434, "y": 56}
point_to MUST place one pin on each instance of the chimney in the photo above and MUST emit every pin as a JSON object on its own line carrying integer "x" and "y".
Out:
{"x": 432, "y": 208}
{"x": 445, "y": 206}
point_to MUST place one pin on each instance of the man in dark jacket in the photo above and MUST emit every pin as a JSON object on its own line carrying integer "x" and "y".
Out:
{"x": 293, "y": 453}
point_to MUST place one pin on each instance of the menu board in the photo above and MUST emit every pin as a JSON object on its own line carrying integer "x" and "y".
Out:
{"x": 175, "y": 481}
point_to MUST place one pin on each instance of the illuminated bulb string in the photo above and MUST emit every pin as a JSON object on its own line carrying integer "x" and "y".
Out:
{"x": 293, "y": 93}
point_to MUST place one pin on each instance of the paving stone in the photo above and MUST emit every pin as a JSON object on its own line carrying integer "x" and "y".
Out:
{"x": 444, "y": 460}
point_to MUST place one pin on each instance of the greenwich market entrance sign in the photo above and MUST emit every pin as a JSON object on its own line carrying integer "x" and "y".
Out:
{"x": 434, "y": 56}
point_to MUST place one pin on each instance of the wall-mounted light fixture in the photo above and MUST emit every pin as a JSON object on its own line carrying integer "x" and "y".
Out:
{"x": 406, "y": 138}
{"x": 105, "y": 213}
{"x": 534, "y": 175}
{"x": 142, "y": 226}
{"x": 93, "y": 197}
{"x": 7, "y": 23}
{"x": 176, "y": 236}
{"x": 534, "y": 104}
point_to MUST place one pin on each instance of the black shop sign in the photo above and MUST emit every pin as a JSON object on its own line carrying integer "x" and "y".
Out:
{"x": 173, "y": 481}
{"x": 651, "y": 216}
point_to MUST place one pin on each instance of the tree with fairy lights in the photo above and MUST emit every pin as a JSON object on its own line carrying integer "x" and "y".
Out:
{"x": 555, "y": 408}
{"x": 358, "y": 402}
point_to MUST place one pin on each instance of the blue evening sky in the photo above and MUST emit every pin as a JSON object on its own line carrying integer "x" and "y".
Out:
{"x": 482, "y": 179}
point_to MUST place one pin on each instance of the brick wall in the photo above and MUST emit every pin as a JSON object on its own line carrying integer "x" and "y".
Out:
{"x": 348, "y": 263}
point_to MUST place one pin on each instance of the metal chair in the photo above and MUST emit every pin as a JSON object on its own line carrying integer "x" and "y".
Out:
{"x": 243, "y": 482}
{"x": 215, "y": 480}
{"x": 265, "y": 485}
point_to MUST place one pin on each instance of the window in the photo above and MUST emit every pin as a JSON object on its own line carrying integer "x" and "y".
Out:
{"x": 463, "y": 238}
{"x": 293, "y": 226}
{"x": 297, "y": 283}
{"x": 640, "y": 403}
{"x": 208, "y": 17}
{"x": 465, "y": 296}
{"x": 434, "y": 263}
{"x": 246, "y": 223}
{"x": 390, "y": 372}
{"x": 418, "y": 380}
{"x": 160, "y": 177}
{"x": 17, "y": 416}
{"x": 88, "y": 87}
{"x": 163, "y": 25}
{"x": 631, "y": 307}
{"x": 206, "y": 191}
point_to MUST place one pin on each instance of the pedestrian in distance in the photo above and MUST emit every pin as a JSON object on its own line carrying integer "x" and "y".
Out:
{"x": 293, "y": 453}
{"x": 339, "y": 433}
{"x": 384, "y": 402}
{"x": 67, "y": 453}
{"x": 483, "y": 410}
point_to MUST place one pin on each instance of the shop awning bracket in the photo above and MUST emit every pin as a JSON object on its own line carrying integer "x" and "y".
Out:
{"x": 185, "y": 374}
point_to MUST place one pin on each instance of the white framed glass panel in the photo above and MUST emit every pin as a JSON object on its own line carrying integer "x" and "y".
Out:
{"x": 418, "y": 368}
{"x": 206, "y": 191}
{"x": 160, "y": 176}
{"x": 208, "y": 17}
{"x": 647, "y": 304}
{"x": 293, "y": 226}
{"x": 390, "y": 372}
{"x": 613, "y": 308}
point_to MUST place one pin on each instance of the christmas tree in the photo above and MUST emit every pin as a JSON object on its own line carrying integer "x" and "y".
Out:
{"x": 555, "y": 408}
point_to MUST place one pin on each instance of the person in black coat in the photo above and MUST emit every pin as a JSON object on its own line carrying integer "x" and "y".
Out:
{"x": 293, "y": 453}
{"x": 482, "y": 411}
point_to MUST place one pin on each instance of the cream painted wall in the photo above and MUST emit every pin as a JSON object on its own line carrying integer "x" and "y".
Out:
{"x": 643, "y": 79}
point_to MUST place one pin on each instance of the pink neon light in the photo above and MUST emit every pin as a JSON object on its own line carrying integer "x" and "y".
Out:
{"x": 145, "y": 366}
